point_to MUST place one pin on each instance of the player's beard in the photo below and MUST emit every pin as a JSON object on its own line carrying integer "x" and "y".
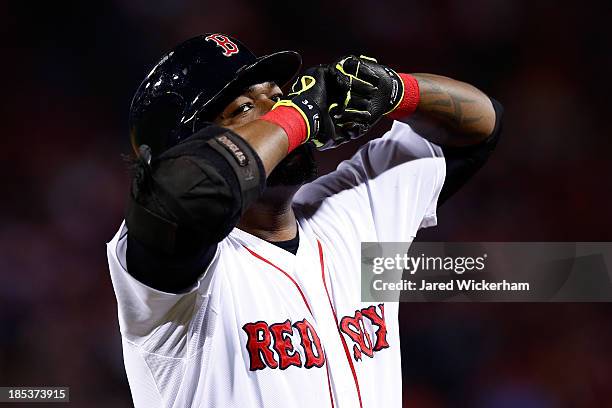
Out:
{"x": 299, "y": 167}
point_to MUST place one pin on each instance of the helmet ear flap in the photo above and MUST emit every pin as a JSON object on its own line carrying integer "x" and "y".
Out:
{"x": 156, "y": 124}
{"x": 191, "y": 121}
{"x": 200, "y": 119}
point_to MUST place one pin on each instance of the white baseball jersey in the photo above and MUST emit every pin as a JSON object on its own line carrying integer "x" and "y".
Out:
{"x": 265, "y": 328}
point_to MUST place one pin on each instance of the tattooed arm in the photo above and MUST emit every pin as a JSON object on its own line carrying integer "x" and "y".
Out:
{"x": 461, "y": 119}
{"x": 451, "y": 113}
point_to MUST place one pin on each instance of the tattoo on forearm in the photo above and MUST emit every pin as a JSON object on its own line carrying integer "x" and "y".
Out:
{"x": 446, "y": 105}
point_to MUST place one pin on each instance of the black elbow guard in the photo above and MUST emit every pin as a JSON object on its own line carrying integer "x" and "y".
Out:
{"x": 195, "y": 192}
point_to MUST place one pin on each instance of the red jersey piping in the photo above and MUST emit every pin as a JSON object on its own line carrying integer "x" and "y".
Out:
{"x": 346, "y": 350}
{"x": 256, "y": 255}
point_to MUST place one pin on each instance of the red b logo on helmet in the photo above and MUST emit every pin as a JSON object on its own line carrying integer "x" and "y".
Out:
{"x": 229, "y": 47}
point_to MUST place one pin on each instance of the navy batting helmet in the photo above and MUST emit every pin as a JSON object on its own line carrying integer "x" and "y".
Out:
{"x": 194, "y": 82}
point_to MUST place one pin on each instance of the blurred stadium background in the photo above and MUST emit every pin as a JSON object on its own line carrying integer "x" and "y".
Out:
{"x": 69, "y": 72}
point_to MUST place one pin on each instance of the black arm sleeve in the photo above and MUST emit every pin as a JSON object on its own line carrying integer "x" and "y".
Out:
{"x": 168, "y": 273}
{"x": 185, "y": 202}
{"x": 463, "y": 162}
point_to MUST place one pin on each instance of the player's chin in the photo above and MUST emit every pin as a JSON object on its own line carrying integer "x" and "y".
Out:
{"x": 299, "y": 167}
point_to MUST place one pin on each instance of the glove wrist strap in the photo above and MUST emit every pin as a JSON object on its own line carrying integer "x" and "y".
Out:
{"x": 409, "y": 100}
{"x": 297, "y": 124}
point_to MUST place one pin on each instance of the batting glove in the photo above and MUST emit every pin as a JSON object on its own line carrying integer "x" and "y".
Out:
{"x": 315, "y": 94}
{"x": 396, "y": 94}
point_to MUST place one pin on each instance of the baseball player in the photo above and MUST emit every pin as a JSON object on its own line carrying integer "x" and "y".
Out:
{"x": 237, "y": 271}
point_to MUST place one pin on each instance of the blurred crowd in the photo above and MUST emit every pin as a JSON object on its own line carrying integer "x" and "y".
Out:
{"x": 69, "y": 72}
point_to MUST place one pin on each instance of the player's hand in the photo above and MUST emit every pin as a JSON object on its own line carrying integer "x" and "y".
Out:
{"x": 357, "y": 71}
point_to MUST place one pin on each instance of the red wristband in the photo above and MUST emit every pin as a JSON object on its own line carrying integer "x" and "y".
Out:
{"x": 292, "y": 123}
{"x": 409, "y": 102}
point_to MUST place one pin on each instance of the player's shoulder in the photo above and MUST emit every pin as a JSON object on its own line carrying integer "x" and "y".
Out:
{"x": 119, "y": 239}
{"x": 405, "y": 143}
{"x": 399, "y": 145}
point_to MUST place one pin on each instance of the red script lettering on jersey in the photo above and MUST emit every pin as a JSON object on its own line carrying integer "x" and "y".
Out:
{"x": 282, "y": 353}
{"x": 354, "y": 327}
